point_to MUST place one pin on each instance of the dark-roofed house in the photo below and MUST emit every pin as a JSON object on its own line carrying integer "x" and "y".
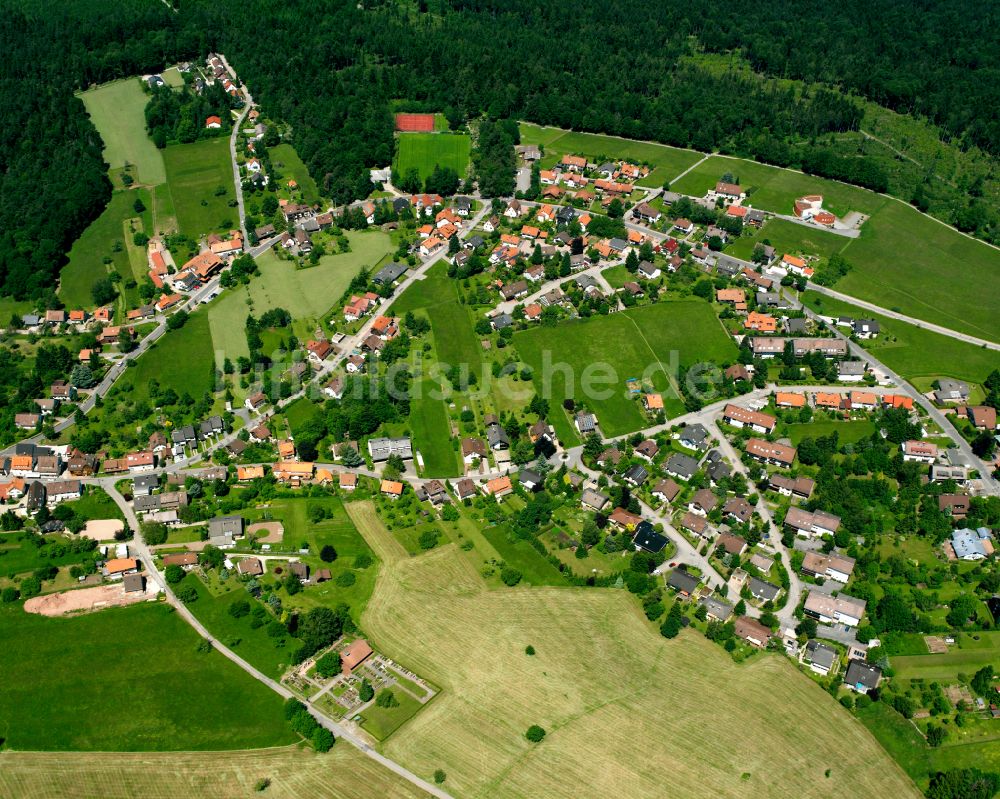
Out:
{"x": 594, "y": 500}
{"x": 733, "y": 544}
{"x": 820, "y": 657}
{"x": 585, "y": 422}
{"x": 636, "y": 475}
{"x": 683, "y": 467}
{"x": 703, "y": 502}
{"x": 694, "y": 436}
{"x": 389, "y": 274}
{"x": 648, "y": 539}
{"x": 738, "y": 508}
{"x": 862, "y": 677}
{"x": 716, "y": 609}
{"x": 683, "y": 583}
{"x": 763, "y": 591}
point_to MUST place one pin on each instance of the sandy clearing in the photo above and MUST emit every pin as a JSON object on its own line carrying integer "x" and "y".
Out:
{"x": 102, "y": 529}
{"x": 87, "y": 599}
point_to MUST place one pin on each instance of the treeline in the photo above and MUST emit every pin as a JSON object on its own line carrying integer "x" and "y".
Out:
{"x": 180, "y": 116}
{"x": 612, "y": 68}
{"x": 53, "y": 180}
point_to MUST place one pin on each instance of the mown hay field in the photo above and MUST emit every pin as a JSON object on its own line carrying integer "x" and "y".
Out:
{"x": 627, "y": 712}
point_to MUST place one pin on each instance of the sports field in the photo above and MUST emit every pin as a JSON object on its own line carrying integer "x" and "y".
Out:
{"x": 775, "y": 189}
{"x": 200, "y": 176}
{"x": 667, "y": 162}
{"x": 294, "y": 772}
{"x": 127, "y": 679}
{"x": 639, "y": 343}
{"x": 910, "y": 263}
{"x": 307, "y": 294}
{"x": 106, "y": 237}
{"x": 118, "y": 112}
{"x": 424, "y": 150}
{"x": 627, "y": 712}
{"x": 287, "y": 164}
{"x": 919, "y": 355}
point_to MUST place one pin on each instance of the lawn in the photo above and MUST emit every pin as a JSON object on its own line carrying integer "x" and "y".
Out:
{"x": 427, "y": 150}
{"x": 127, "y": 679}
{"x": 96, "y": 504}
{"x": 118, "y": 112}
{"x": 627, "y": 712}
{"x": 308, "y": 294}
{"x": 905, "y": 744}
{"x": 432, "y": 432}
{"x": 181, "y": 359}
{"x": 382, "y": 722}
{"x": 788, "y": 237}
{"x": 456, "y": 344}
{"x": 775, "y": 189}
{"x": 18, "y": 554}
{"x": 342, "y": 773}
{"x": 287, "y": 164}
{"x": 919, "y": 355}
{"x": 534, "y": 567}
{"x": 910, "y": 263}
{"x": 105, "y": 237}
{"x": 946, "y": 667}
{"x": 848, "y": 432}
{"x": 253, "y": 645}
{"x": 337, "y": 530}
{"x": 667, "y": 162}
{"x": 649, "y": 343}
{"x": 200, "y": 176}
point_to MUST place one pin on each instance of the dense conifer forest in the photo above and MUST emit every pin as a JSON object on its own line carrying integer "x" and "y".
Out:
{"x": 334, "y": 70}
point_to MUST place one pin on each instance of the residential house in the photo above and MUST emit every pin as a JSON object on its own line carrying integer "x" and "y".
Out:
{"x": 743, "y": 417}
{"x": 683, "y": 467}
{"x": 752, "y": 631}
{"x": 703, "y": 502}
{"x": 970, "y": 545}
{"x": 762, "y": 590}
{"x": 862, "y": 677}
{"x": 666, "y": 490}
{"x": 498, "y": 488}
{"x": 684, "y": 583}
{"x": 811, "y": 524}
{"x": 380, "y": 449}
{"x": 840, "y": 609}
{"x": 770, "y": 452}
{"x": 829, "y": 566}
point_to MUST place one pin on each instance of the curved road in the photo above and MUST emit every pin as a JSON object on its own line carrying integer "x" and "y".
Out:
{"x": 142, "y": 551}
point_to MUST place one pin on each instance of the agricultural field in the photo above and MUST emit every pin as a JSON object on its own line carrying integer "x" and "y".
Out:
{"x": 969, "y": 656}
{"x": 287, "y": 165}
{"x": 106, "y": 237}
{"x": 534, "y": 567}
{"x": 788, "y": 237}
{"x": 308, "y": 294}
{"x": 667, "y": 162}
{"x": 173, "y": 78}
{"x": 200, "y": 177}
{"x": 294, "y": 772}
{"x": 775, "y": 189}
{"x": 638, "y": 343}
{"x": 919, "y": 355}
{"x": 915, "y": 265}
{"x": 182, "y": 359}
{"x": 626, "y": 711}
{"x": 424, "y": 151}
{"x": 118, "y": 112}
{"x": 128, "y": 679}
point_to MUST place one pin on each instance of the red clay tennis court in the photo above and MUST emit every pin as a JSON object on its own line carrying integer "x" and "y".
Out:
{"x": 415, "y": 123}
